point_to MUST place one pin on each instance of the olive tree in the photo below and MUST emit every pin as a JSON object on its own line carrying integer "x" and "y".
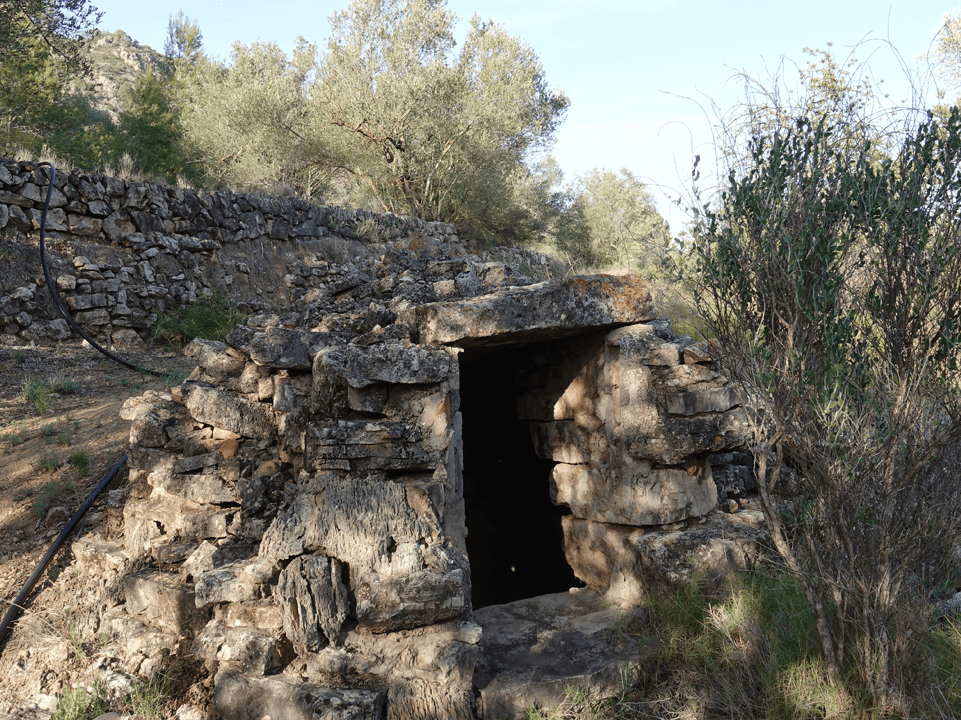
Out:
{"x": 427, "y": 131}
{"x": 248, "y": 122}
{"x": 610, "y": 221}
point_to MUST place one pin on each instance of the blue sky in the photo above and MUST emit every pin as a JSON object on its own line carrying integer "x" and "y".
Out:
{"x": 638, "y": 73}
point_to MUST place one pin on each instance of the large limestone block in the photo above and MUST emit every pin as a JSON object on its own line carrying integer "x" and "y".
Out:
{"x": 638, "y": 494}
{"x": 714, "y": 551}
{"x": 239, "y": 697}
{"x": 236, "y": 581}
{"x": 230, "y": 412}
{"x": 540, "y": 311}
{"x": 566, "y": 441}
{"x": 623, "y": 563}
{"x": 365, "y": 446}
{"x": 279, "y": 347}
{"x": 152, "y": 416}
{"x": 412, "y": 600}
{"x": 534, "y": 651}
{"x": 162, "y": 519}
{"x": 361, "y": 365}
{"x": 165, "y": 600}
{"x": 257, "y": 653}
{"x": 680, "y": 438}
{"x": 205, "y": 488}
{"x": 428, "y": 670}
{"x": 361, "y": 522}
{"x": 705, "y": 401}
{"x": 215, "y": 358}
{"x": 602, "y": 556}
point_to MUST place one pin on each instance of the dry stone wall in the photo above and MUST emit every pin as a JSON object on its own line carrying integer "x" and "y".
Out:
{"x": 124, "y": 252}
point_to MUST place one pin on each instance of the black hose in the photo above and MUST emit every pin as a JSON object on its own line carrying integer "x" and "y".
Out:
{"x": 13, "y": 612}
{"x": 17, "y": 606}
{"x": 56, "y": 297}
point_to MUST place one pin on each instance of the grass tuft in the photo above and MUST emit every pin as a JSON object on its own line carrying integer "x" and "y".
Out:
{"x": 36, "y": 393}
{"x": 209, "y": 317}
{"x": 45, "y": 499}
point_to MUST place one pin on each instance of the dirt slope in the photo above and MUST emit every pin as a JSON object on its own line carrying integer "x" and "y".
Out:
{"x": 40, "y": 488}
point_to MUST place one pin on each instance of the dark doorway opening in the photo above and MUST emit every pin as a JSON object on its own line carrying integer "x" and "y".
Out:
{"x": 514, "y": 541}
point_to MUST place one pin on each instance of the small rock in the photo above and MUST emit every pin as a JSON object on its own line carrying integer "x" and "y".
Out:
{"x": 47, "y": 703}
{"x": 730, "y": 506}
{"x": 57, "y": 515}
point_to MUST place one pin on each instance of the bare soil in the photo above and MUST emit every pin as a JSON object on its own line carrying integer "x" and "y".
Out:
{"x": 41, "y": 489}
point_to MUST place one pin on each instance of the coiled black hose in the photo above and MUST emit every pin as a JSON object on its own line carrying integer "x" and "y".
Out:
{"x": 17, "y": 606}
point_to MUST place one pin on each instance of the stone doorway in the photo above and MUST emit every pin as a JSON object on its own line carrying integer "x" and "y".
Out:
{"x": 515, "y": 540}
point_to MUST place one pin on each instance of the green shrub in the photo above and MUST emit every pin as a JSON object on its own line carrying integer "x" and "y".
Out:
{"x": 81, "y": 461}
{"x": 43, "y": 501}
{"x": 209, "y": 317}
{"x": 63, "y": 386}
{"x": 79, "y": 704}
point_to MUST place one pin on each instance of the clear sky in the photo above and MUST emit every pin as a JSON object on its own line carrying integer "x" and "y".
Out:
{"x": 638, "y": 72}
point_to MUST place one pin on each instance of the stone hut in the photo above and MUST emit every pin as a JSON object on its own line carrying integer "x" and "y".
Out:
{"x": 329, "y": 515}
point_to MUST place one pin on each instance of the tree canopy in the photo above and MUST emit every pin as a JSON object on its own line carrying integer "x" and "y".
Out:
{"x": 389, "y": 112}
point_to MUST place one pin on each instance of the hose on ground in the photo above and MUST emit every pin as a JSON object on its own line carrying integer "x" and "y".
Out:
{"x": 17, "y": 606}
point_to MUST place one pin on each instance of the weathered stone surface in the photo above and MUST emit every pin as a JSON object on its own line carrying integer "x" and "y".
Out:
{"x": 152, "y": 416}
{"x": 261, "y": 614}
{"x": 708, "y": 401}
{"x": 206, "y": 488}
{"x": 165, "y": 600}
{"x": 256, "y": 653}
{"x": 213, "y": 356}
{"x": 227, "y": 411}
{"x": 284, "y": 349}
{"x": 386, "y": 363}
{"x": 237, "y": 581}
{"x": 163, "y": 518}
{"x": 239, "y": 697}
{"x": 623, "y": 563}
{"x": 536, "y": 311}
{"x": 314, "y": 600}
{"x": 411, "y": 600}
{"x": 704, "y": 351}
{"x": 639, "y": 494}
{"x": 365, "y": 446}
{"x": 533, "y": 651}
{"x": 364, "y": 523}
{"x": 84, "y": 225}
{"x": 684, "y": 437}
{"x": 717, "y": 550}
{"x": 98, "y": 557}
{"x": 428, "y": 670}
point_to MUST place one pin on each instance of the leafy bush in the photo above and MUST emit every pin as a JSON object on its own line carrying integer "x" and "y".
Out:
{"x": 210, "y": 318}
{"x": 830, "y": 270}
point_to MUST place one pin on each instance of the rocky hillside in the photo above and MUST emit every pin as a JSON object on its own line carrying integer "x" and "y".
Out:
{"x": 117, "y": 60}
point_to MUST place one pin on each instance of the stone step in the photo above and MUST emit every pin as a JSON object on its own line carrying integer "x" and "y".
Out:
{"x": 240, "y": 697}
{"x": 533, "y": 650}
